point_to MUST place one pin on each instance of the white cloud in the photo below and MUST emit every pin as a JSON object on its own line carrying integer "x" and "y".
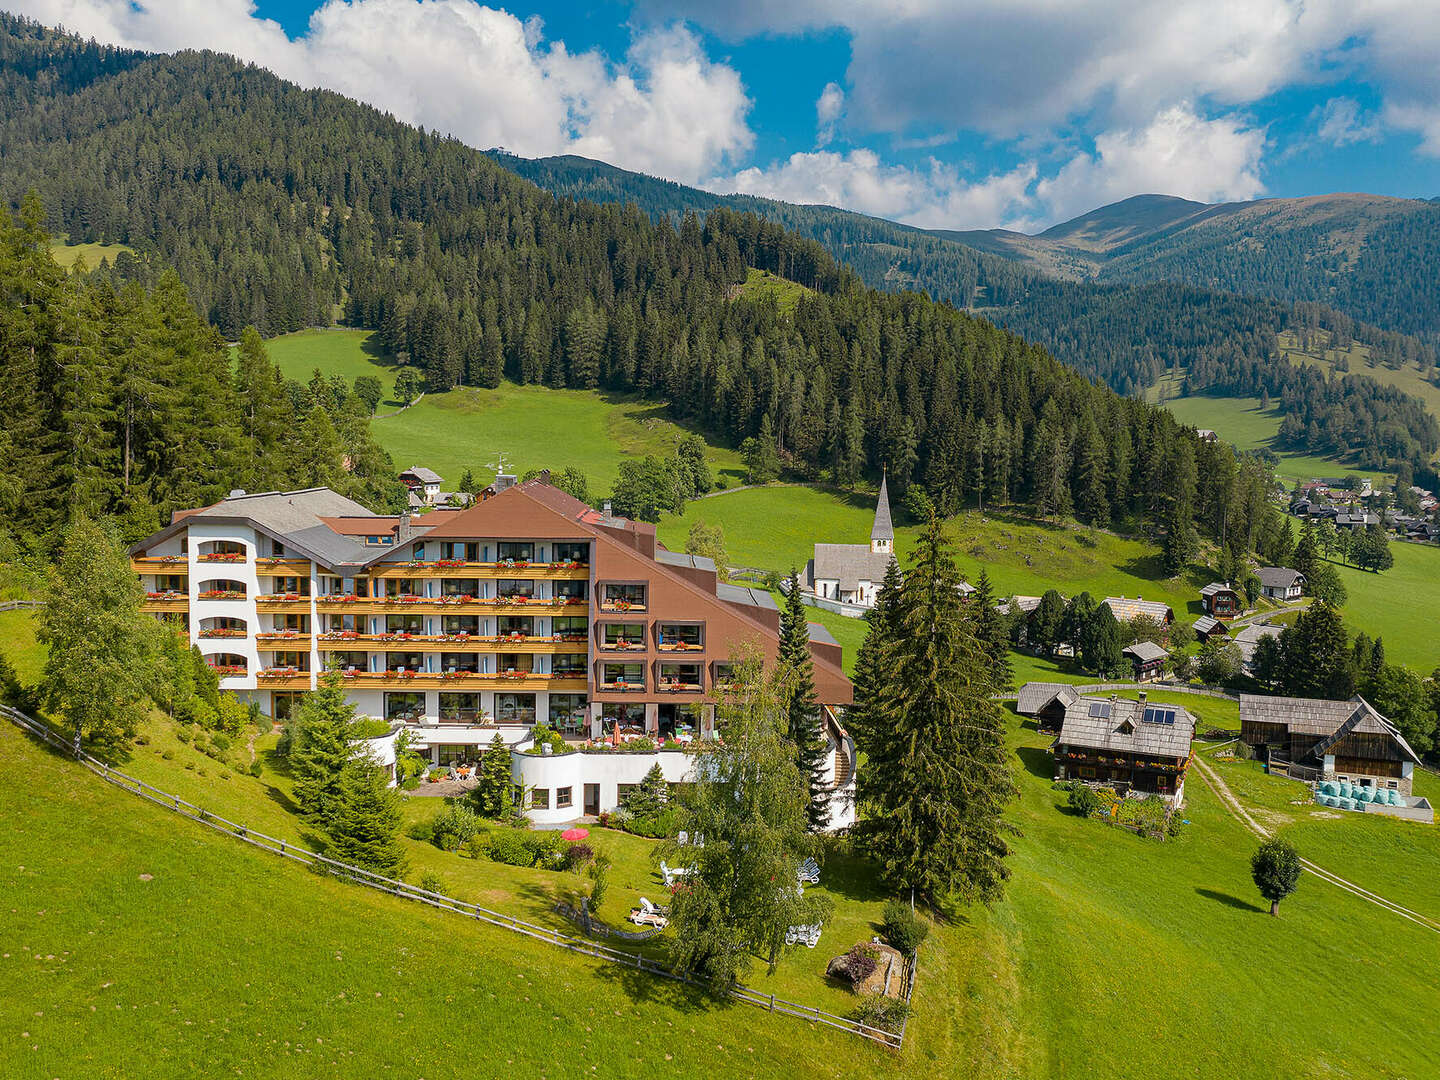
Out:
{"x": 478, "y": 73}
{"x": 858, "y": 180}
{"x": 1343, "y": 122}
{"x": 829, "y": 107}
{"x": 1177, "y": 153}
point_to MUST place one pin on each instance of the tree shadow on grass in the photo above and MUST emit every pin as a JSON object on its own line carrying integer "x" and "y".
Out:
{"x": 285, "y": 802}
{"x": 851, "y": 878}
{"x": 1038, "y": 761}
{"x": 645, "y": 986}
{"x": 1230, "y": 901}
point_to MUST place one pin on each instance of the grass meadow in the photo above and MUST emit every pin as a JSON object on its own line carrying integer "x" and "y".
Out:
{"x": 90, "y": 254}
{"x": 142, "y": 944}
{"x": 535, "y": 427}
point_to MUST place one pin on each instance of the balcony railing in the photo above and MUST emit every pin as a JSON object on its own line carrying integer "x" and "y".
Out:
{"x": 221, "y": 594}
{"x": 522, "y": 680}
{"x": 272, "y": 566}
{"x": 623, "y": 605}
{"x": 271, "y": 598}
{"x": 222, "y": 632}
{"x": 283, "y": 637}
{"x": 433, "y": 568}
{"x": 150, "y": 564}
{"x": 447, "y": 603}
{"x": 623, "y": 686}
{"x": 221, "y": 557}
{"x": 680, "y": 646}
{"x": 229, "y": 671}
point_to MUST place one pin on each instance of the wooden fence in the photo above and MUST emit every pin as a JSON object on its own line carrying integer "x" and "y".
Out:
{"x": 17, "y": 605}
{"x": 404, "y": 890}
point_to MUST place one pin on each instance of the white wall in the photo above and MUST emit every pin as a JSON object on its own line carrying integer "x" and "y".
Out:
{"x": 608, "y": 769}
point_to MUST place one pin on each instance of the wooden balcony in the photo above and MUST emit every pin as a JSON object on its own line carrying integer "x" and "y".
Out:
{"x": 282, "y": 679}
{"x": 455, "y": 568}
{"x": 282, "y": 639}
{"x": 223, "y": 559}
{"x": 475, "y": 643}
{"x": 282, "y": 601}
{"x": 270, "y": 567}
{"x": 160, "y": 605}
{"x": 159, "y": 564}
{"x": 436, "y": 680}
{"x": 453, "y": 605}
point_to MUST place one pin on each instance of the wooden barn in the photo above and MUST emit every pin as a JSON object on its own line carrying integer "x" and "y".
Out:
{"x": 1046, "y": 702}
{"x": 1127, "y": 745}
{"x": 1207, "y": 627}
{"x": 1339, "y": 740}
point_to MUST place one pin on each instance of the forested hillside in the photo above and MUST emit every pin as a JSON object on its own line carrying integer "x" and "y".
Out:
{"x": 117, "y": 399}
{"x": 476, "y": 274}
{"x": 1125, "y": 336}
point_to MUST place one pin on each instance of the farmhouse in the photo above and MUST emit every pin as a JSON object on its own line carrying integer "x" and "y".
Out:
{"x": 846, "y": 577}
{"x": 423, "y": 485}
{"x": 1046, "y": 702}
{"x": 1221, "y": 601}
{"x": 529, "y": 607}
{"x": 1339, "y": 740}
{"x": 1147, "y": 659}
{"x": 1127, "y": 745}
{"x": 1126, "y": 609}
{"x": 1207, "y": 628}
{"x": 1281, "y": 583}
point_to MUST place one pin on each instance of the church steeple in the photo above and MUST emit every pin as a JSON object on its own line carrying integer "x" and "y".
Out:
{"x": 882, "y": 535}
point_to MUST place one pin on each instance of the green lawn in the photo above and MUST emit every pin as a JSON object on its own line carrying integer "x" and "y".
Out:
{"x": 1399, "y": 605}
{"x": 91, "y": 254}
{"x": 1241, "y": 422}
{"x": 534, "y": 427}
{"x": 776, "y": 527}
{"x": 217, "y": 964}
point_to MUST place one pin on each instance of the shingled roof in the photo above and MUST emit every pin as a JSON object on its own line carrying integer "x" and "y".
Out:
{"x": 1332, "y": 720}
{"x": 1145, "y": 651}
{"x": 1135, "y": 727}
{"x": 849, "y": 564}
{"x": 1034, "y": 696}
{"x": 1126, "y": 609}
{"x": 1279, "y": 577}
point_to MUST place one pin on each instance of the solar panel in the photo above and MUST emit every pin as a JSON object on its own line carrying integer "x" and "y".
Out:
{"x": 1100, "y": 710}
{"x": 1153, "y": 715}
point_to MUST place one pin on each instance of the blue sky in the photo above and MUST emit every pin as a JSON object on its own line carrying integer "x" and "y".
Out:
{"x": 943, "y": 113}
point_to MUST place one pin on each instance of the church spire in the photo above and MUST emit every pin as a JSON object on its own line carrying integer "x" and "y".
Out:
{"x": 882, "y": 535}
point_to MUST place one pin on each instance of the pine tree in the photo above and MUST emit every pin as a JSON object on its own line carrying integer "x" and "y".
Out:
{"x": 796, "y": 671}
{"x": 98, "y": 643}
{"x": 322, "y": 744}
{"x": 364, "y": 825}
{"x": 868, "y": 675}
{"x": 991, "y": 632}
{"x": 493, "y": 787}
{"x": 1047, "y": 620}
{"x": 1307, "y": 551}
{"x": 938, "y": 777}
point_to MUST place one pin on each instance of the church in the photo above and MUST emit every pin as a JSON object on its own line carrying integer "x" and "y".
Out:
{"x": 845, "y": 578}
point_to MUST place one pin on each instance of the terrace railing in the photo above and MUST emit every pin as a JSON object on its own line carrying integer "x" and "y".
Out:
{"x": 371, "y": 880}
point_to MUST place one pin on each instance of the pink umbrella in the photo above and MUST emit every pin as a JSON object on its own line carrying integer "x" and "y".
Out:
{"x": 574, "y": 834}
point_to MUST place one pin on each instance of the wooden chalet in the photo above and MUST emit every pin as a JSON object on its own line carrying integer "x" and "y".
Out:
{"x": 1127, "y": 745}
{"x": 1147, "y": 659}
{"x": 1221, "y": 601}
{"x": 1207, "y": 627}
{"x": 1339, "y": 740}
{"x": 1125, "y": 609}
{"x": 1046, "y": 702}
{"x": 1281, "y": 583}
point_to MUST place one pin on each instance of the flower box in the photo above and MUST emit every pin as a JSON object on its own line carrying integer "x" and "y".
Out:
{"x": 168, "y": 594}
{"x": 224, "y": 557}
{"x": 225, "y": 671}
{"x": 221, "y": 594}
{"x": 223, "y": 633}
{"x": 340, "y": 635}
{"x": 449, "y": 564}
{"x": 279, "y": 673}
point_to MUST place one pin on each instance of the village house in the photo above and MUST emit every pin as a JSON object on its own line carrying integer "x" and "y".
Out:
{"x": 1281, "y": 583}
{"x": 1329, "y": 740}
{"x": 1126, "y": 745}
{"x": 1206, "y": 627}
{"x": 1247, "y": 638}
{"x": 528, "y": 608}
{"x": 1046, "y": 702}
{"x": 846, "y": 578}
{"x": 423, "y": 484}
{"x": 1147, "y": 660}
{"x": 1126, "y": 609}
{"x": 1221, "y": 600}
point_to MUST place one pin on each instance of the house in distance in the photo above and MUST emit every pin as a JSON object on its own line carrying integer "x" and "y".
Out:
{"x": 1126, "y": 745}
{"x": 1147, "y": 659}
{"x": 1221, "y": 601}
{"x": 1281, "y": 583}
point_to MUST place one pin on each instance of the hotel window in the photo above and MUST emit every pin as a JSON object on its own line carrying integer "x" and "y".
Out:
{"x": 300, "y": 661}
{"x": 453, "y": 550}
{"x": 622, "y": 635}
{"x": 540, "y": 798}
{"x": 568, "y": 711}
{"x": 723, "y": 672}
{"x": 514, "y": 587}
{"x": 404, "y": 624}
{"x": 562, "y": 798}
{"x": 292, "y": 621}
{"x": 277, "y": 549}
{"x": 622, "y": 676}
{"x": 292, "y": 584}
{"x": 572, "y": 590}
{"x": 457, "y": 662}
{"x": 514, "y": 550}
{"x": 514, "y": 663}
{"x": 515, "y": 709}
{"x": 568, "y": 665}
{"x": 170, "y": 582}
{"x": 349, "y": 661}
{"x": 570, "y": 627}
{"x": 409, "y": 707}
{"x": 460, "y": 624}
{"x": 572, "y": 552}
{"x": 510, "y": 625}
{"x": 617, "y": 597}
{"x": 409, "y": 661}
{"x": 459, "y": 586}
{"x": 680, "y": 636}
{"x": 459, "y": 708}
{"x": 401, "y": 587}
{"x": 452, "y": 754}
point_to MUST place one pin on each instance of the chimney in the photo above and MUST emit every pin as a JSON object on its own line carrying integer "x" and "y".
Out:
{"x": 403, "y": 530}
{"x": 605, "y": 509}
{"x": 1141, "y": 699}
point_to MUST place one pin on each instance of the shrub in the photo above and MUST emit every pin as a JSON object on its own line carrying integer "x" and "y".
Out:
{"x": 421, "y": 830}
{"x": 256, "y": 769}
{"x": 578, "y": 855}
{"x": 182, "y": 733}
{"x": 509, "y": 846}
{"x": 453, "y": 826}
{"x": 475, "y": 847}
{"x": 220, "y": 741}
{"x": 1083, "y": 800}
{"x": 643, "y": 745}
{"x": 657, "y": 827}
{"x": 142, "y": 739}
{"x": 432, "y": 882}
{"x": 902, "y": 928}
{"x": 859, "y": 963}
{"x": 168, "y": 755}
{"x": 599, "y": 882}
{"x": 549, "y": 849}
{"x": 190, "y": 764}
{"x": 885, "y": 1013}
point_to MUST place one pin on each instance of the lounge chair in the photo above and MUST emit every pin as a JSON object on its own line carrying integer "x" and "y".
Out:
{"x": 647, "y": 914}
{"x": 683, "y": 838}
{"x": 809, "y": 872}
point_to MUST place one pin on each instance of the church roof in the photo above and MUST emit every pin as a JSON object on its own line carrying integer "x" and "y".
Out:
{"x": 883, "y": 529}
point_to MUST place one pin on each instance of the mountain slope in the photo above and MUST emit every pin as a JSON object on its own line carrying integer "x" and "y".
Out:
{"x": 1370, "y": 256}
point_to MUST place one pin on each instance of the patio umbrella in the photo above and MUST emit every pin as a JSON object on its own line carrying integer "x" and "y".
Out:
{"x": 574, "y": 834}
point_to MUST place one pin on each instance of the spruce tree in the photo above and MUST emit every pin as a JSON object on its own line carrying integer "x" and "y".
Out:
{"x": 802, "y": 715}
{"x": 364, "y": 825}
{"x": 867, "y": 677}
{"x": 991, "y": 632}
{"x": 492, "y": 789}
{"x": 937, "y": 778}
{"x": 322, "y": 744}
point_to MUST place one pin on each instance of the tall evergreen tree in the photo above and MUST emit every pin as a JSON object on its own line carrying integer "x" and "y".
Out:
{"x": 322, "y": 743}
{"x": 868, "y": 675}
{"x": 364, "y": 825}
{"x": 992, "y": 633}
{"x": 938, "y": 777}
{"x": 796, "y": 671}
